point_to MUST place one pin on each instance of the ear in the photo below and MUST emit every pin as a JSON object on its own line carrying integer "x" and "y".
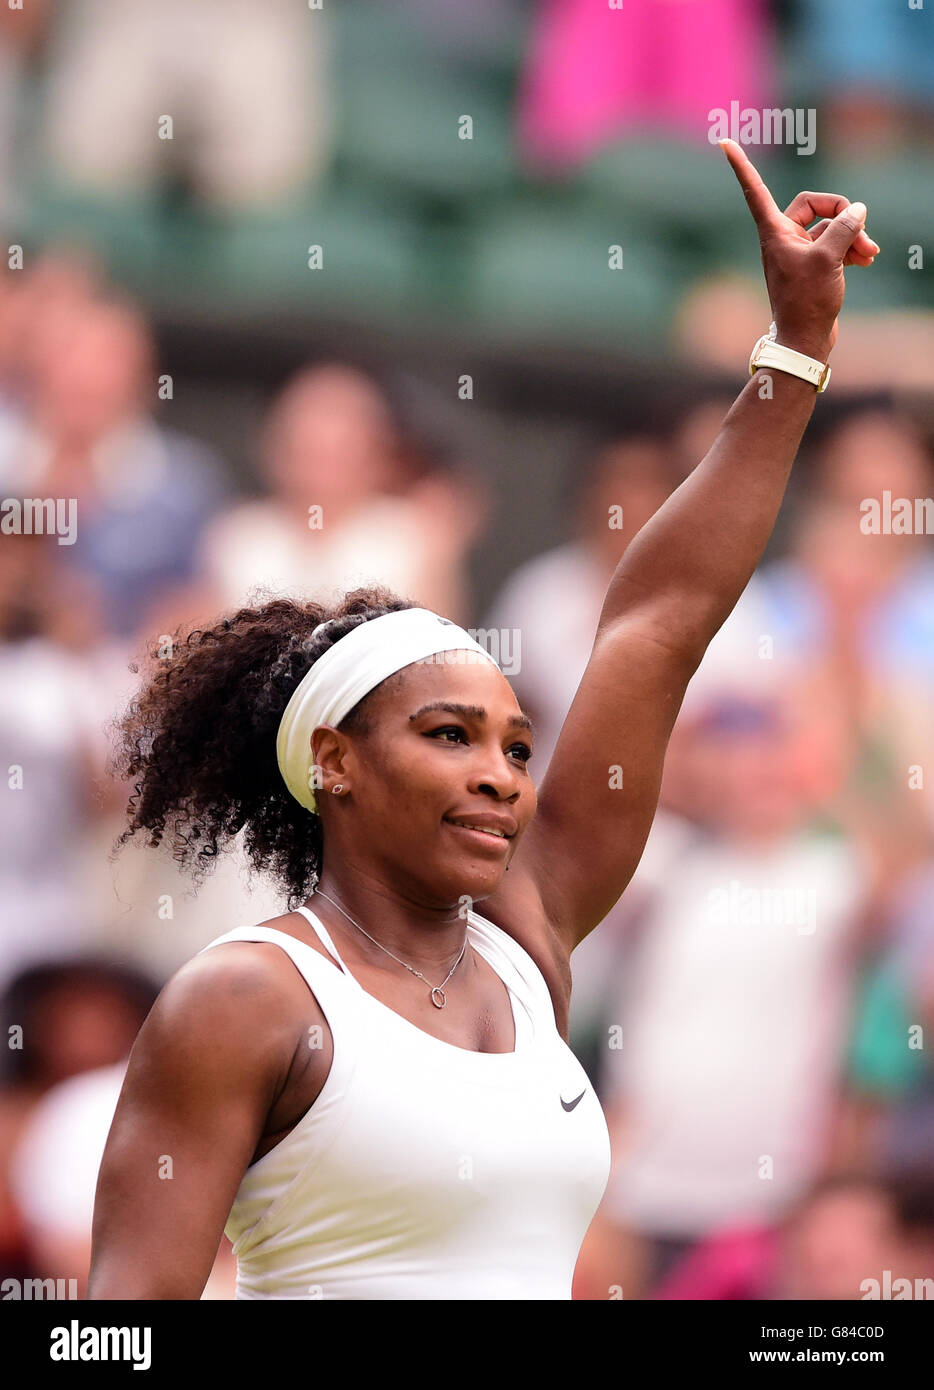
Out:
{"x": 330, "y": 749}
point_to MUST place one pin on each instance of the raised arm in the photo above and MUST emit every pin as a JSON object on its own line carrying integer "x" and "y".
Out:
{"x": 682, "y": 575}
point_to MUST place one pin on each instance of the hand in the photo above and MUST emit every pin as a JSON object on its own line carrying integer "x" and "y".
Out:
{"x": 804, "y": 267}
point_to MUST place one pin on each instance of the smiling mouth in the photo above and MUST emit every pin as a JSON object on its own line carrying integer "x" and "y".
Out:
{"x": 485, "y": 837}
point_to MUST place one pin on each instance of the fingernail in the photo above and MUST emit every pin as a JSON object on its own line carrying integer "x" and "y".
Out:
{"x": 859, "y": 211}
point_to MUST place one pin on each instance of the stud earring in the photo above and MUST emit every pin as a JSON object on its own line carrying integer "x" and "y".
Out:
{"x": 338, "y": 789}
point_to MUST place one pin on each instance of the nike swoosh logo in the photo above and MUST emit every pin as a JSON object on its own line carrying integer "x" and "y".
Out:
{"x": 570, "y": 1104}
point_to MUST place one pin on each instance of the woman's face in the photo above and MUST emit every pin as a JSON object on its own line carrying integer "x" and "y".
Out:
{"x": 81, "y": 1025}
{"x": 419, "y": 770}
{"x": 331, "y": 440}
{"x": 835, "y": 1243}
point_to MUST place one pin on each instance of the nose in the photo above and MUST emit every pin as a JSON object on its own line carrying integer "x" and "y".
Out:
{"x": 495, "y": 778}
{"x": 490, "y": 789}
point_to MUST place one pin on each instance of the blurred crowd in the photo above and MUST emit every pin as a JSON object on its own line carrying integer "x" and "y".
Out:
{"x": 345, "y": 495}
{"x": 756, "y": 1011}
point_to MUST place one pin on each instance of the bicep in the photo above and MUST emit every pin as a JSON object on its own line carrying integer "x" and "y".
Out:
{"x": 597, "y": 800}
{"x": 199, "y": 1084}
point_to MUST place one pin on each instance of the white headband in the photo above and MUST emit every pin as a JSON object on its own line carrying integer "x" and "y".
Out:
{"x": 350, "y": 669}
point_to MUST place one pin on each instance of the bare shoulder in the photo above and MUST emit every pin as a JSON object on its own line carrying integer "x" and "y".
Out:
{"x": 240, "y": 998}
{"x": 238, "y": 970}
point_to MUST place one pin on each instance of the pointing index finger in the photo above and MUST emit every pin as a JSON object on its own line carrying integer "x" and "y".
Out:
{"x": 762, "y": 205}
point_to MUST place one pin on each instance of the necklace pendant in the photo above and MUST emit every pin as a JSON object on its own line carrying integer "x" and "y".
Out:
{"x": 439, "y": 1003}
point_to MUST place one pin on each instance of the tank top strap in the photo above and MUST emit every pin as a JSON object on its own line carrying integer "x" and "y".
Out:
{"x": 322, "y": 976}
{"x": 514, "y": 964}
{"x": 324, "y": 935}
{"x": 490, "y": 948}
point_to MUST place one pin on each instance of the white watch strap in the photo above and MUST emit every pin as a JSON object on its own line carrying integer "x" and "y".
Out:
{"x": 767, "y": 353}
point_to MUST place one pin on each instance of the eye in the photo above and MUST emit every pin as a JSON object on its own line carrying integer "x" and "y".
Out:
{"x": 523, "y": 749}
{"x": 448, "y": 729}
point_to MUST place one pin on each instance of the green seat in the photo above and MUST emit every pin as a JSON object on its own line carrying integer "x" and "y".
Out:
{"x": 125, "y": 232}
{"x": 371, "y": 35}
{"x": 403, "y": 127}
{"x": 402, "y": 88}
{"x": 899, "y": 194}
{"x": 667, "y": 182}
{"x": 879, "y": 288}
{"x": 541, "y": 266}
{"x": 374, "y": 34}
{"x": 368, "y": 255}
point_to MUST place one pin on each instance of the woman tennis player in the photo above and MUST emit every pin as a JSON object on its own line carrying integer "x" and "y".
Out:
{"x": 373, "y": 1094}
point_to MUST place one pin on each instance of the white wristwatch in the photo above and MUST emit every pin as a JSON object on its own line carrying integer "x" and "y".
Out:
{"x": 768, "y": 353}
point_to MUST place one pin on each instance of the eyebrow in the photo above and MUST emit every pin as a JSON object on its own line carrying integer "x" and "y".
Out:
{"x": 515, "y": 721}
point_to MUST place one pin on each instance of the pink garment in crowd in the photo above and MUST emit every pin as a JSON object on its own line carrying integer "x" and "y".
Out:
{"x": 595, "y": 72}
{"x": 734, "y": 1265}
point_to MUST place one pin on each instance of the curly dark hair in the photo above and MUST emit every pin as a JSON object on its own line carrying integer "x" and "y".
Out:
{"x": 199, "y": 737}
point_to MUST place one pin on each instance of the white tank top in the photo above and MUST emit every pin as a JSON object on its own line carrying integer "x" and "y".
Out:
{"x": 423, "y": 1169}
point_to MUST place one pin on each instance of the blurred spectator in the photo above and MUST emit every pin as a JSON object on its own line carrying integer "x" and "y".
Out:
{"x": 56, "y": 1199}
{"x": 862, "y": 606}
{"x": 76, "y": 371}
{"x": 553, "y": 603}
{"x": 891, "y": 1061}
{"x": 74, "y": 1015}
{"x": 855, "y": 608}
{"x": 875, "y": 589}
{"x": 732, "y": 987}
{"x": 554, "y": 599}
{"x": 51, "y": 750}
{"x": 143, "y": 492}
{"x": 718, "y": 319}
{"x": 914, "y": 1195}
{"x": 61, "y": 1021}
{"x": 342, "y": 508}
{"x": 244, "y": 86}
{"x": 844, "y": 1231}
{"x": 597, "y": 72}
{"x": 34, "y": 302}
{"x": 723, "y": 312}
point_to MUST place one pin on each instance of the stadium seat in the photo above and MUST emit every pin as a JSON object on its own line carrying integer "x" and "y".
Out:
{"x": 406, "y": 129}
{"x": 124, "y": 231}
{"x": 660, "y": 182}
{"x": 542, "y": 266}
{"x": 369, "y": 254}
{"x": 899, "y": 194}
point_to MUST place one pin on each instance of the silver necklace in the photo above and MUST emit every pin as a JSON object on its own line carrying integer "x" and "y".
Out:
{"x": 438, "y": 990}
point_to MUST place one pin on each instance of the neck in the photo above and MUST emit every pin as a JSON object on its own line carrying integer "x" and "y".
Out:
{"x": 426, "y": 938}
